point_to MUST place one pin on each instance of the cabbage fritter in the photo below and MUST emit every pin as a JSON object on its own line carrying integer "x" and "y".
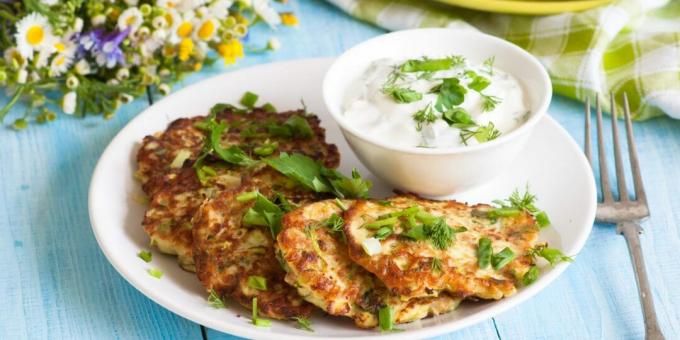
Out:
{"x": 227, "y": 252}
{"x": 424, "y": 256}
{"x": 177, "y": 192}
{"x": 313, "y": 251}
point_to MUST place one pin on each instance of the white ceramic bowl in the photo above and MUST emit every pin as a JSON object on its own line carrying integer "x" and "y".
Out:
{"x": 441, "y": 171}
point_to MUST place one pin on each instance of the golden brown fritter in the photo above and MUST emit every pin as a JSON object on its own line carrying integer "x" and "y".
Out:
{"x": 314, "y": 253}
{"x": 419, "y": 268}
{"x": 226, "y": 252}
{"x": 176, "y": 193}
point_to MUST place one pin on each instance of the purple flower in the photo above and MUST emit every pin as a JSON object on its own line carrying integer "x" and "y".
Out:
{"x": 104, "y": 47}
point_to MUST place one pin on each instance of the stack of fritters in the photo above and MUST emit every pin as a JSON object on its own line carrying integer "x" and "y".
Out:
{"x": 318, "y": 257}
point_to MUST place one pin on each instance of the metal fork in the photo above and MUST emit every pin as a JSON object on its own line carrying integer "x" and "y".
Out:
{"x": 624, "y": 212}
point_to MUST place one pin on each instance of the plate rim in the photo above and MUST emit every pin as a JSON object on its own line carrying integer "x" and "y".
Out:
{"x": 253, "y": 332}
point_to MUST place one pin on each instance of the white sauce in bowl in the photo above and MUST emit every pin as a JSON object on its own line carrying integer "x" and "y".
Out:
{"x": 373, "y": 110}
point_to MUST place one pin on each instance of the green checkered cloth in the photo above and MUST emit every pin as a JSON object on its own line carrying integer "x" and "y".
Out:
{"x": 630, "y": 46}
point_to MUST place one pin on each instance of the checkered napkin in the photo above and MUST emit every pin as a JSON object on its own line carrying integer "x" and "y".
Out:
{"x": 630, "y": 46}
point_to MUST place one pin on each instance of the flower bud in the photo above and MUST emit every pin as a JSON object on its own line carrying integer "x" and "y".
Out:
{"x": 125, "y": 98}
{"x": 69, "y": 102}
{"x": 145, "y": 9}
{"x": 273, "y": 44}
{"x": 98, "y": 20}
{"x": 21, "y": 76}
{"x": 164, "y": 89}
{"x": 159, "y": 22}
{"x": 72, "y": 82}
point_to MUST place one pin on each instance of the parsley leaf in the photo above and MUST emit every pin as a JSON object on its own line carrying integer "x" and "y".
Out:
{"x": 316, "y": 177}
{"x": 402, "y": 95}
{"x": 294, "y": 127}
{"x": 459, "y": 118}
{"x": 450, "y": 93}
{"x": 265, "y": 213}
{"x": 482, "y": 133}
{"x": 427, "y": 65}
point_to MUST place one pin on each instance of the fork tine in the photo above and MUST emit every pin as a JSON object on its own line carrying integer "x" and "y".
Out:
{"x": 620, "y": 175}
{"x": 604, "y": 173}
{"x": 586, "y": 145}
{"x": 632, "y": 151}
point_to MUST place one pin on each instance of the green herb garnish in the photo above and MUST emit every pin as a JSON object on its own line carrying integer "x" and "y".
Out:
{"x": 265, "y": 213}
{"x": 484, "y": 252}
{"x": 458, "y": 118}
{"x": 294, "y": 127}
{"x": 383, "y": 232}
{"x": 384, "y": 203}
{"x": 402, "y": 95}
{"x": 249, "y": 99}
{"x": 449, "y": 94}
{"x": 488, "y": 63}
{"x": 257, "y": 321}
{"x": 431, "y": 65}
{"x": 552, "y": 255}
{"x": 145, "y": 256}
{"x": 482, "y": 134}
{"x": 424, "y": 116}
{"x": 215, "y": 300}
{"x": 524, "y": 202}
{"x": 380, "y": 223}
{"x": 303, "y": 323}
{"x": 341, "y": 205}
{"x": 489, "y": 102}
{"x": 386, "y": 318}
{"x": 268, "y": 107}
{"x": 334, "y": 223}
{"x": 257, "y": 282}
{"x": 502, "y": 258}
{"x": 157, "y": 273}
{"x": 266, "y": 149}
{"x": 530, "y": 276}
{"x": 315, "y": 176}
{"x": 477, "y": 83}
{"x": 436, "y": 265}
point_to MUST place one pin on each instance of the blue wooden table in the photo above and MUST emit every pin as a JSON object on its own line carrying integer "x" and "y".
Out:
{"x": 55, "y": 282}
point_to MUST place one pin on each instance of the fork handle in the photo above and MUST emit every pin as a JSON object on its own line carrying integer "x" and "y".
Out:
{"x": 631, "y": 231}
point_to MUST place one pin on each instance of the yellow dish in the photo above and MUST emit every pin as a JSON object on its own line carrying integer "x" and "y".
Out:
{"x": 528, "y": 6}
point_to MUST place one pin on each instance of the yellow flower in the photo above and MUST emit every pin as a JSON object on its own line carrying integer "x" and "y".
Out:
{"x": 206, "y": 29}
{"x": 289, "y": 19}
{"x": 185, "y": 49}
{"x": 198, "y": 67}
{"x": 230, "y": 51}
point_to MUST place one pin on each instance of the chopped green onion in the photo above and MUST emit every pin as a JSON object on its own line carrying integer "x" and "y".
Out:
{"x": 385, "y": 203}
{"x": 386, "y": 318}
{"x": 247, "y": 196}
{"x": 530, "y": 276}
{"x": 304, "y": 323}
{"x": 268, "y": 107}
{"x": 380, "y": 223}
{"x": 257, "y": 321}
{"x": 214, "y": 300}
{"x": 144, "y": 255}
{"x": 383, "y": 232}
{"x": 499, "y": 260}
{"x": 257, "y": 282}
{"x": 503, "y": 212}
{"x": 249, "y": 99}
{"x": 417, "y": 233}
{"x": 157, "y": 273}
{"x": 484, "y": 252}
{"x": 266, "y": 149}
{"x": 180, "y": 158}
{"x": 341, "y": 205}
{"x": 552, "y": 255}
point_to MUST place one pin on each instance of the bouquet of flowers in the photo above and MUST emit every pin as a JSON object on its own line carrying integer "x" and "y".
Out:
{"x": 91, "y": 57}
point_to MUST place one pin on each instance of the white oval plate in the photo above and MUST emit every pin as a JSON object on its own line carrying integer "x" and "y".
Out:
{"x": 552, "y": 164}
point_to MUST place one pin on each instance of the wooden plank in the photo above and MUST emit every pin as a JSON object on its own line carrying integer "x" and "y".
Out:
{"x": 55, "y": 282}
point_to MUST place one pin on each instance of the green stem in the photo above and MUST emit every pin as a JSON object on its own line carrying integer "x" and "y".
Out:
{"x": 11, "y": 103}
{"x": 8, "y": 16}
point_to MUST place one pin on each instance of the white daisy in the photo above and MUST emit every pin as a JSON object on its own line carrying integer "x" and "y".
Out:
{"x": 168, "y": 4}
{"x": 182, "y": 26}
{"x": 152, "y": 43}
{"x": 266, "y": 12}
{"x": 83, "y": 67}
{"x": 63, "y": 59}
{"x": 131, "y": 18}
{"x": 220, "y": 8}
{"x": 33, "y": 33}
{"x": 68, "y": 103}
{"x": 206, "y": 29}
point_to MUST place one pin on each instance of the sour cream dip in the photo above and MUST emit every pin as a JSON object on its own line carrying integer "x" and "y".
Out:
{"x": 441, "y": 102}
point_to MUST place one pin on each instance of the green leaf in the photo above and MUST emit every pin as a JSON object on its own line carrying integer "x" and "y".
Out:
{"x": 501, "y": 259}
{"x": 299, "y": 126}
{"x": 478, "y": 83}
{"x": 542, "y": 219}
{"x": 484, "y": 252}
{"x": 264, "y": 213}
{"x": 249, "y": 99}
{"x": 459, "y": 118}
{"x": 424, "y": 116}
{"x": 232, "y": 154}
{"x": 402, "y": 95}
{"x": 145, "y": 255}
{"x": 268, "y": 107}
{"x": 427, "y": 65}
{"x": 450, "y": 93}
{"x": 530, "y": 276}
{"x": 214, "y": 300}
{"x": 266, "y": 149}
{"x": 257, "y": 282}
